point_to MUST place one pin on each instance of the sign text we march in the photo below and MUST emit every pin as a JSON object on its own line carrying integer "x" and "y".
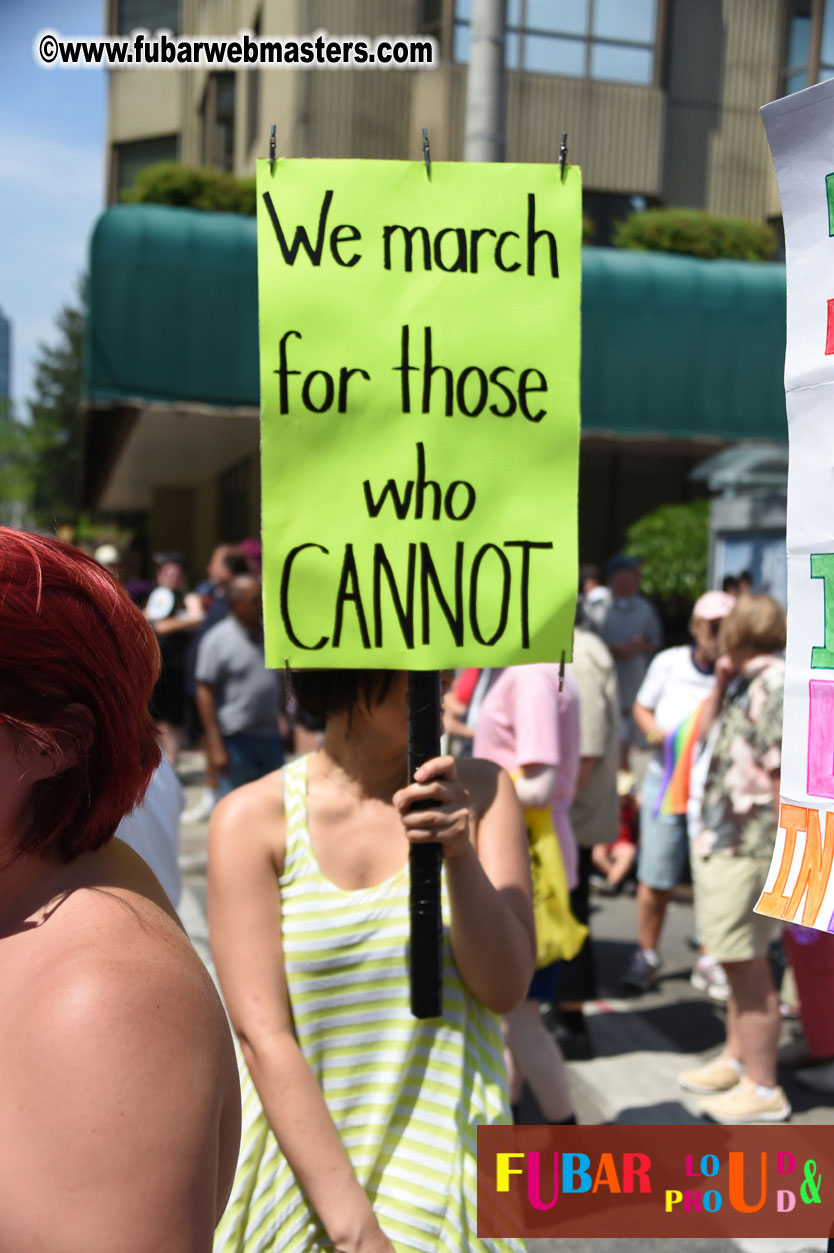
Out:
{"x": 419, "y": 341}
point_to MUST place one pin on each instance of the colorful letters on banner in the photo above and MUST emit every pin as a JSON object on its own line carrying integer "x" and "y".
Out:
{"x": 799, "y": 889}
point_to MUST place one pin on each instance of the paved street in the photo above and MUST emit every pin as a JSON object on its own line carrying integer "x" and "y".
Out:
{"x": 639, "y": 1045}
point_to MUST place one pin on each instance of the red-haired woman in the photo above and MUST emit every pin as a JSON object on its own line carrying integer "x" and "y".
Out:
{"x": 119, "y": 1103}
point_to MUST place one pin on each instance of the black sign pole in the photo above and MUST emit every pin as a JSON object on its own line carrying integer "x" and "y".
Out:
{"x": 425, "y": 859}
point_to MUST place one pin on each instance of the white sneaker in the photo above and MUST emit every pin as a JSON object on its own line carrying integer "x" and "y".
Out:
{"x": 718, "y": 1075}
{"x": 744, "y": 1103}
{"x": 708, "y": 976}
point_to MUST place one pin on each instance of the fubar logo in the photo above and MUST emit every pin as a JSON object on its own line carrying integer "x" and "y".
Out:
{"x": 668, "y": 1181}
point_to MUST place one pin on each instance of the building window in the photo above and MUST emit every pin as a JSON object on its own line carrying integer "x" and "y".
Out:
{"x": 826, "y": 65}
{"x": 809, "y": 44}
{"x": 613, "y": 40}
{"x": 147, "y": 15}
{"x": 218, "y": 118}
{"x": 130, "y": 159}
{"x": 234, "y": 500}
{"x": 253, "y": 94}
{"x": 798, "y": 56}
{"x": 431, "y": 21}
{"x": 602, "y": 211}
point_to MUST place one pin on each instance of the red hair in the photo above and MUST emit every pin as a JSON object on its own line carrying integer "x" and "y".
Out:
{"x": 78, "y": 663}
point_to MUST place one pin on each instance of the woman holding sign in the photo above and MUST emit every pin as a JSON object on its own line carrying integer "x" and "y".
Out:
{"x": 360, "y": 1120}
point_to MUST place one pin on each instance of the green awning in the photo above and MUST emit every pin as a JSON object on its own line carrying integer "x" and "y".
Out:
{"x": 671, "y": 346}
{"x": 173, "y": 308}
{"x": 676, "y": 346}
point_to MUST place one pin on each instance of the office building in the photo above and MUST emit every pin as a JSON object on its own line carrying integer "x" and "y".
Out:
{"x": 660, "y": 100}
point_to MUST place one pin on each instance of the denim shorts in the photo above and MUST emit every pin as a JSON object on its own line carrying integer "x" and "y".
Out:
{"x": 663, "y": 839}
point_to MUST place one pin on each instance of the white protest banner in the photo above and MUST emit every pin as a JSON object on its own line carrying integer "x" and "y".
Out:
{"x": 799, "y": 886}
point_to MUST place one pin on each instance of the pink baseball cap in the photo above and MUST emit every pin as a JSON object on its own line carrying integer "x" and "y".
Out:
{"x": 713, "y": 605}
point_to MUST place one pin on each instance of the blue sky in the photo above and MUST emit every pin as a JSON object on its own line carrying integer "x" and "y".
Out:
{"x": 52, "y": 133}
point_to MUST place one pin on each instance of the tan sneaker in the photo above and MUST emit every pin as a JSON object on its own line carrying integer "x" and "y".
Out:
{"x": 717, "y": 1076}
{"x": 743, "y": 1103}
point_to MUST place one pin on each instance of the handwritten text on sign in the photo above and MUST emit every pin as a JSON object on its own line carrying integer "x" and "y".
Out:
{"x": 420, "y": 409}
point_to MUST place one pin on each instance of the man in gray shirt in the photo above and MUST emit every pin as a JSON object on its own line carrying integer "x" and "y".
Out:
{"x": 238, "y": 699}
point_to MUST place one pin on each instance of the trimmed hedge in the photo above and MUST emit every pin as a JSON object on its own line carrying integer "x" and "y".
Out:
{"x": 697, "y": 234}
{"x": 192, "y": 188}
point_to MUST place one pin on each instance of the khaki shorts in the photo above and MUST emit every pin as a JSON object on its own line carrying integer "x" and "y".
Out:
{"x": 726, "y": 889}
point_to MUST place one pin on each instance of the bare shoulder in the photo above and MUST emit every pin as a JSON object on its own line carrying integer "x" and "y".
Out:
{"x": 140, "y": 985}
{"x": 120, "y": 1081}
{"x": 249, "y": 822}
{"x": 113, "y": 960}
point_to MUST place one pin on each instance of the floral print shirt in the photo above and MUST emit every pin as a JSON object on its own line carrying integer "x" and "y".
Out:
{"x": 737, "y": 815}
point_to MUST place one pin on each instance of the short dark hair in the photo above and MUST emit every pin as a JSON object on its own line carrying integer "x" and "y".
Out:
{"x": 323, "y": 693}
{"x": 235, "y": 562}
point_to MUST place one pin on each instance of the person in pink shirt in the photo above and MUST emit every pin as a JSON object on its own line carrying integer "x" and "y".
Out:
{"x": 530, "y": 727}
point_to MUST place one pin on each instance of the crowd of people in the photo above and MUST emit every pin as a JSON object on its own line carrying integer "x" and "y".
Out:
{"x": 664, "y": 771}
{"x": 356, "y": 1121}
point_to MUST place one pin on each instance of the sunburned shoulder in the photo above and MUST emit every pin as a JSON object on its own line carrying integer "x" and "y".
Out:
{"x": 112, "y": 960}
{"x": 118, "y": 1085}
{"x": 136, "y": 991}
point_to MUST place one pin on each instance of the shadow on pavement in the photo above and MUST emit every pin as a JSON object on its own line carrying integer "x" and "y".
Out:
{"x": 685, "y": 1026}
{"x": 664, "y": 1113}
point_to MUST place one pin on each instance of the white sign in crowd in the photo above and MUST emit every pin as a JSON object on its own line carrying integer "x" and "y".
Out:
{"x": 800, "y": 886}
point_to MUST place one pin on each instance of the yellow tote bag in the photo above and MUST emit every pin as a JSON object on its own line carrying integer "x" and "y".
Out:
{"x": 559, "y": 936}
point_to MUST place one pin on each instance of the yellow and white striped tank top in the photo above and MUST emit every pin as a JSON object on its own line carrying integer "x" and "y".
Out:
{"x": 406, "y": 1095}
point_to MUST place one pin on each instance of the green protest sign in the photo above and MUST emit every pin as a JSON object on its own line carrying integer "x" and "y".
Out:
{"x": 419, "y": 344}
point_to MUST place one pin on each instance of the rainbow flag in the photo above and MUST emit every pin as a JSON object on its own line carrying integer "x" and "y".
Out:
{"x": 678, "y": 751}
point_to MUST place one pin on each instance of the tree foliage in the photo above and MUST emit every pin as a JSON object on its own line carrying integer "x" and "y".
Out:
{"x": 192, "y": 188}
{"x": 51, "y": 441}
{"x": 15, "y": 467}
{"x": 696, "y": 233}
{"x": 673, "y": 542}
